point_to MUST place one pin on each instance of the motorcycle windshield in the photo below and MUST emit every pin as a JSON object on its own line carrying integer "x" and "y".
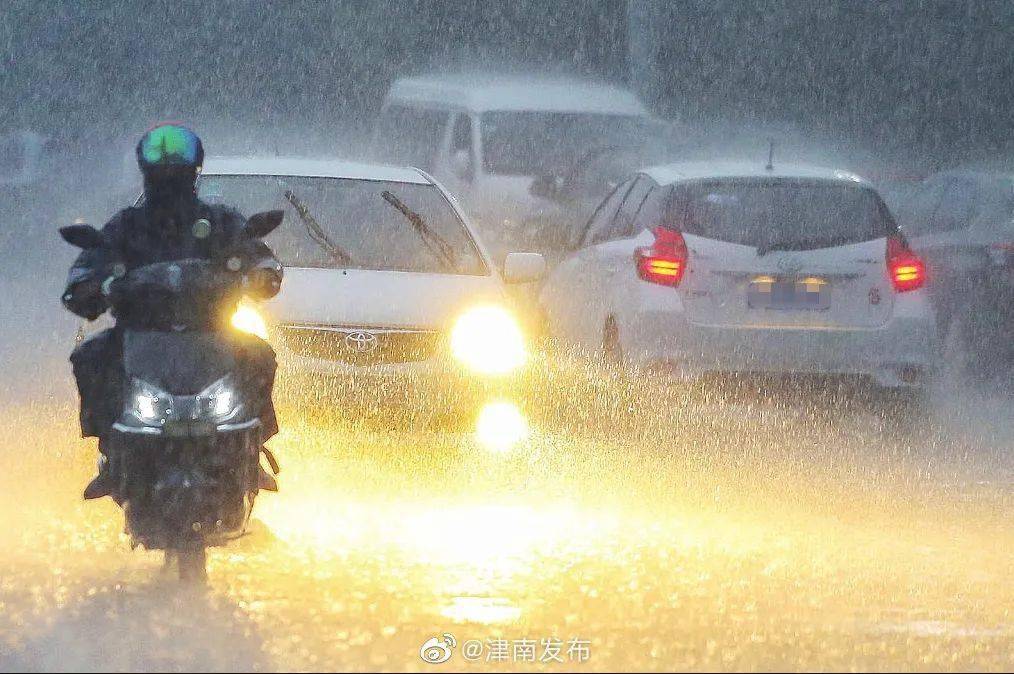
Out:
{"x": 179, "y": 363}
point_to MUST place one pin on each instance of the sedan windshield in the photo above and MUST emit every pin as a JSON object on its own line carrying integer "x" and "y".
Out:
{"x": 351, "y": 224}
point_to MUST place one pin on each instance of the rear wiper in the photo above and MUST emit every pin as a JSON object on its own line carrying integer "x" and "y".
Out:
{"x": 772, "y": 246}
{"x": 316, "y": 232}
{"x": 437, "y": 244}
{"x": 798, "y": 244}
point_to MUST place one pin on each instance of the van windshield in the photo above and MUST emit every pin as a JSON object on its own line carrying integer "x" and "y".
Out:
{"x": 409, "y": 136}
{"x": 781, "y": 214}
{"x": 536, "y": 143}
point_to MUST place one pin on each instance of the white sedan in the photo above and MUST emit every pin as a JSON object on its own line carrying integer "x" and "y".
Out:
{"x": 704, "y": 267}
{"x": 383, "y": 275}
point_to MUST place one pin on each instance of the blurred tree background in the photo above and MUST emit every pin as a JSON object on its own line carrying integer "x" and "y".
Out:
{"x": 931, "y": 78}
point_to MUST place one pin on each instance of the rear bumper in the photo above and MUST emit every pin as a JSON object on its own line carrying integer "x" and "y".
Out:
{"x": 900, "y": 353}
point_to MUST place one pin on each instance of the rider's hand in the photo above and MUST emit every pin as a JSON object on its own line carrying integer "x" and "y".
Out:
{"x": 85, "y": 299}
{"x": 110, "y": 285}
{"x": 262, "y": 283}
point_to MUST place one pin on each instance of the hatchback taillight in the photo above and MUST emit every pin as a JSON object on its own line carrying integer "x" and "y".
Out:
{"x": 907, "y": 270}
{"x": 665, "y": 261}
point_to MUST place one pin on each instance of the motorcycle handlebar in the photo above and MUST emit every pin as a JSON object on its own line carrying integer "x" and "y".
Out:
{"x": 176, "y": 277}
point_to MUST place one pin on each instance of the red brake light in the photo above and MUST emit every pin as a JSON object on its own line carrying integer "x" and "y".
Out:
{"x": 665, "y": 261}
{"x": 907, "y": 270}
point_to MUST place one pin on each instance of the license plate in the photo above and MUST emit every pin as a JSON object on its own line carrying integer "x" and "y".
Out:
{"x": 188, "y": 429}
{"x": 795, "y": 294}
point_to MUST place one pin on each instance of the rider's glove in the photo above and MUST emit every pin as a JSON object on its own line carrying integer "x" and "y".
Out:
{"x": 85, "y": 298}
{"x": 264, "y": 281}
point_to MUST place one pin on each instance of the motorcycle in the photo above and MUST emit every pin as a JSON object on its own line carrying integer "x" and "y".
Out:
{"x": 187, "y": 443}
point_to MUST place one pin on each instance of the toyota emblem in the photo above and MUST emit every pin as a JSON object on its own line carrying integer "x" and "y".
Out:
{"x": 361, "y": 342}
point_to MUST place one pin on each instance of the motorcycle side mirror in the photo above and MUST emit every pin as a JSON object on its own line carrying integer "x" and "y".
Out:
{"x": 82, "y": 236}
{"x": 260, "y": 225}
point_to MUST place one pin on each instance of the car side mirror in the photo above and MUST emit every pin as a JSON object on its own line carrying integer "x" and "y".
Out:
{"x": 461, "y": 165}
{"x": 82, "y": 236}
{"x": 260, "y": 225}
{"x": 523, "y": 267}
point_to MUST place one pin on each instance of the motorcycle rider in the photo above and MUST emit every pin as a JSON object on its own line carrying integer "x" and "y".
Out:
{"x": 170, "y": 224}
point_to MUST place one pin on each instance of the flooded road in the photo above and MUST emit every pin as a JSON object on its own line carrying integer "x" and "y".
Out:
{"x": 630, "y": 525}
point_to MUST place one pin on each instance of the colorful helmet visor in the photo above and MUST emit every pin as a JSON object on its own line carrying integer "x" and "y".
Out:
{"x": 170, "y": 145}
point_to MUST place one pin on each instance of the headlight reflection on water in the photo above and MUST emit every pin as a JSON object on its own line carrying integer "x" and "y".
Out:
{"x": 501, "y": 426}
{"x": 479, "y": 539}
{"x": 484, "y": 610}
{"x": 473, "y": 557}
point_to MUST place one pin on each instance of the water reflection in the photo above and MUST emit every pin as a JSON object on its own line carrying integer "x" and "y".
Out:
{"x": 484, "y": 610}
{"x": 501, "y": 426}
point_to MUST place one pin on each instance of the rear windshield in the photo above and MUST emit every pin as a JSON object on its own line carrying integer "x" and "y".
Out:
{"x": 781, "y": 215}
{"x": 354, "y": 224}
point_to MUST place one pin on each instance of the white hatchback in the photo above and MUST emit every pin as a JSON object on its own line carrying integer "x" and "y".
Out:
{"x": 731, "y": 267}
{"x": 383, "y": 275}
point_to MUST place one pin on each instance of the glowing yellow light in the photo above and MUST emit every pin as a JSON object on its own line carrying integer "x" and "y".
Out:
{"x": 489, "y": 341}
{"x": 906, "y": 273}
{"x": 501, "y": 426}
{"x": 665, "y": 267}
{"x": 813, "y": 284}
{"x": 246, "y": 319}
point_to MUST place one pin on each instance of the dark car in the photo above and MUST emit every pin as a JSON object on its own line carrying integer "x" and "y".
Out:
{"x": 573, "y": 185}
{"x": 962, "y": 223}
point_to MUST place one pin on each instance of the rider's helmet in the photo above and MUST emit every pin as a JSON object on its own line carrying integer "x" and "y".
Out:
{"x": 170, "y": 153}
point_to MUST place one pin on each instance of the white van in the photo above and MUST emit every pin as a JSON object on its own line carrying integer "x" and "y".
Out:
{"x": 486, "y": 138}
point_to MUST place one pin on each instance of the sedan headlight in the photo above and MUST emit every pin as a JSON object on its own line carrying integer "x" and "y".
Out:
{"x": 247, "y": 319}
{"x": 488, "y": 340}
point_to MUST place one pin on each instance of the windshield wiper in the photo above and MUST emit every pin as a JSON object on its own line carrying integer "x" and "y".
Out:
{"x": 771, "y": 246}
{"x": 437, "y": 244}
{"x": 316, "y": 232}
{"x": 798, "y": 244}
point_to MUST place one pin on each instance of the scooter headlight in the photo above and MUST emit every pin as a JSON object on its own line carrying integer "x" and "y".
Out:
{"x": 219, "y": 402}
{"x": 149, "y": 403}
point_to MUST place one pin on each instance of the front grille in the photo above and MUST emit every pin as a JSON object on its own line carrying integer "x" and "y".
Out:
{"x": 360, "y": 346}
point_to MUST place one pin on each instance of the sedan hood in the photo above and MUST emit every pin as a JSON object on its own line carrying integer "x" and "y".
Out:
{"x": 379, "y": 299}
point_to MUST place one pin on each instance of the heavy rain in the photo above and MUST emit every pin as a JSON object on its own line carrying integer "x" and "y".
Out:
{"x": 687, "y": 347}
